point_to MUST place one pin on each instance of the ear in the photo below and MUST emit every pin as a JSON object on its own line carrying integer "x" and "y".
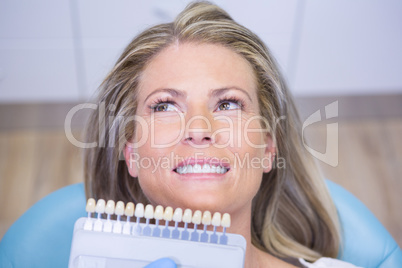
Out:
{"x": 270, "y": 152}
{"x": 131, "y": 159}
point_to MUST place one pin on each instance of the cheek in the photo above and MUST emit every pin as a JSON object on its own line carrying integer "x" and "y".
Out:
{"x": 159, "y": 132}
{"x": 166, "y": 134}
{"x": 250, "y": 151}
{"x": 148, "y": 186}
{"x": 153, "y": 168}
{"x": 238, "y": 132}
{"x": 248, "y": 137}
{"x": 254, "y": 133}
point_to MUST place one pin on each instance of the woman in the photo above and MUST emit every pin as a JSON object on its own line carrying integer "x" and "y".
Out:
{"x": 203, "y": 92}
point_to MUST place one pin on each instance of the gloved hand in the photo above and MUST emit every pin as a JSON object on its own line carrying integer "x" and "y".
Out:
{"x": 162, "y": 263}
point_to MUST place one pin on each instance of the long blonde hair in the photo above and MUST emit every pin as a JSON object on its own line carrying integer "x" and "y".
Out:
{"x": 293, "y": 214}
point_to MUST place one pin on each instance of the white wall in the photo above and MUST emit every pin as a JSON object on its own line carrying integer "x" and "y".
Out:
{"x": 349, "y": 47}
{"x": 61, "y": 50}
{"x": 36, "y": 51}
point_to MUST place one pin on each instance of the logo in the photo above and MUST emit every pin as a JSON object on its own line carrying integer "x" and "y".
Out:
{"x": 330, "y": 156}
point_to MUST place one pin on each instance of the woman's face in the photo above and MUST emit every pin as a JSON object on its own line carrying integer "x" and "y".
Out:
{"x": 199, "y": 142}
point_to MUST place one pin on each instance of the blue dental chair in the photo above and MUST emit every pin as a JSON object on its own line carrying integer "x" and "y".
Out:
{"x": 42, "y": 236}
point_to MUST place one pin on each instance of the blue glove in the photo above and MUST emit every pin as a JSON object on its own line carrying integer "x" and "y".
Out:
{"x": 162, "y": 263}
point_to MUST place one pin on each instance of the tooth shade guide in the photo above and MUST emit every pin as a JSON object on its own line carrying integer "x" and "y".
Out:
{"x": 111, "y": 246}
{"x": 156, "y": 222}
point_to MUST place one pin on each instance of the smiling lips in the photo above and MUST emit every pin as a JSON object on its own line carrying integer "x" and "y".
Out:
{"x": 193, "y": 166}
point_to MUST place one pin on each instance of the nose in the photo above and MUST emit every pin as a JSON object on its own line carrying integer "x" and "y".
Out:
{"x": 198, "y": 131}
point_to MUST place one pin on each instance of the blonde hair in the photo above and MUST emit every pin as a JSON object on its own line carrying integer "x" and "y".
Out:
{"x": 293, "y": 215}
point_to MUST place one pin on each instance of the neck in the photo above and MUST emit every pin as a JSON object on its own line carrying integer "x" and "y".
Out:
{"x": 243, "y": 227}
{"x": 254, "y": 257}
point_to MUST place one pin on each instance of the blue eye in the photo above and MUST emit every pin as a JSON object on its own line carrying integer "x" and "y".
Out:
{"x": 229, "y": 105}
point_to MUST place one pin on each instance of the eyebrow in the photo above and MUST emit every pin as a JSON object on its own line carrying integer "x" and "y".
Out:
{"x": 220, "y": 91}
{"x": 214, "y": 93}
{"x": 171, "y": 91}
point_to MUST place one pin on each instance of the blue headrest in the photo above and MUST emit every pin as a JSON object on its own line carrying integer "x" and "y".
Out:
{"x": 42, "y": 236}
{"x": 366, "y": 242}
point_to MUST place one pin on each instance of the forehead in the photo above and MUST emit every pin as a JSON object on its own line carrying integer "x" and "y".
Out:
{"x": 198, "y": 67}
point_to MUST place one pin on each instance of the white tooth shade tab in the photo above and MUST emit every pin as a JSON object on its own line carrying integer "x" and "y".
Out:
{"x": 197, "y": 217}
{"x": 158, "y": 214}
{"x": 91, "y": 204}
{"x": 206, "y": 218}
{"x": 100, "y": 206}
{"x": 225, "y": 220}
{"x": 197, "y": 168}
{"x": 149, "y": 212}
{"x": 178, "y": 214}
{"x": 216, "y": 219}
{"x": 139, "y": 210}
{"x": 119, "y": 210}
{"x": 129, "y": 211}
{"x": 187, "y": 216}
{"x": 110, "y": 207}
{"x": 168, "y": 214}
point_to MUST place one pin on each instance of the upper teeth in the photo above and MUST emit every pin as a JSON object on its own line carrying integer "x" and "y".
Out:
{"x": 206, "y": 168}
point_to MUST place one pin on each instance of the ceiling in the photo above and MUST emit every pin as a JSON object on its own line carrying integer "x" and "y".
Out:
{"x": 61, "y": 50}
